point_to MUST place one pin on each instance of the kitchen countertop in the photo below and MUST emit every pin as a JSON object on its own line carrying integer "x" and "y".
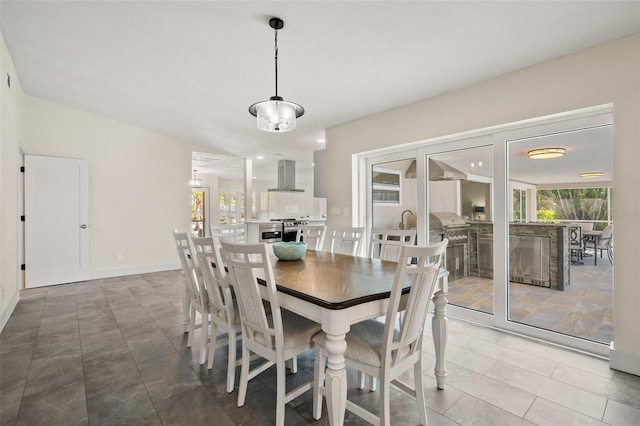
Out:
{"x": 481, "y": 222}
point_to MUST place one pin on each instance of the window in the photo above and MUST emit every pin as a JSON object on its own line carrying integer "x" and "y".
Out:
{"x": 387, "y": 187}
{"x": 582, "y": 204}
{"x": 519, "y": 205}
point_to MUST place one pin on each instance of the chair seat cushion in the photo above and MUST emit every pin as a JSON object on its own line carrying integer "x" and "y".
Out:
{"x": 364, "y": 342}
{"x": 297, "y": 330}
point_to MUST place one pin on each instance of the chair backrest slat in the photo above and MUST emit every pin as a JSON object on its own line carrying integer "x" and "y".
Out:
{"x": 420, "y": 267}
{"x": 190, "y": 265}
{"x": 313, "y": 235}
{"x": 215, "y": 278}
{"x": 385, "y": 244}
{"x": 246, "y": 263}
{"x": 347, "y": 240}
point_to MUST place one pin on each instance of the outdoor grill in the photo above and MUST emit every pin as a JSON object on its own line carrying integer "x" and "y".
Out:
{"x": 453, "y": 227}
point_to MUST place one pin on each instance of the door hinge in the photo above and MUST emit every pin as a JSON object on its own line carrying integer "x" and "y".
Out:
{"x": 22, "y": 218}
{"x": 23, "y": 267}
{"x": 21, "y": 169}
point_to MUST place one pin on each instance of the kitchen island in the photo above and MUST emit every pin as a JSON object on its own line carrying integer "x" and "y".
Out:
{"x": 538, "y": 253}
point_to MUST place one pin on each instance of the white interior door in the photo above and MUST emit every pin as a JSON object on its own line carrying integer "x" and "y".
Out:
{"x": 56, "y": 224}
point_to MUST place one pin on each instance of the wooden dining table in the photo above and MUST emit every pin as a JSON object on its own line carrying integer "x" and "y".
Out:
{"x": 338, "y": 290}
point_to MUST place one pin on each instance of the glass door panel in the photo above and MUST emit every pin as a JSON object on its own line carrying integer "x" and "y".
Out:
{"x": 556, "y": 284}
{"x": 460, "y": 200}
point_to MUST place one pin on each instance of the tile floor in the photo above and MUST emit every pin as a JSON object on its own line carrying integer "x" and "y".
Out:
{"x": 584, "y": 309}
{"x": 113, "y": 352}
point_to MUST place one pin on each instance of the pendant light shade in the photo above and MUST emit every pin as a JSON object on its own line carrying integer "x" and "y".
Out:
{"x": 276, "y": 114}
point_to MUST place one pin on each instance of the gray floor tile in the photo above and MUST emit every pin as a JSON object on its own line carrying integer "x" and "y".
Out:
{"x": 64, "y": 405}
{"x": 58, "y": 322}
{"x": 128, "y": 406}
{"x": 15, "y": 365}
{"x": 620, "y": 414}
{"x": 10, "y": 399}
{"x": 16, "y": 341}
{"x": 193, "y": 407}
{"x": 542, "y": 411}
{"x": 167, "y": 376}
{"x": 497, "y": 392}
{"x": 148, "y": 345}
{"x": 57, "y": 343}
{"x": 469, "y": 410}
{"x": 579, "y": 400}
{"x": 102, "y": 344}
{"x": 47, "y": 373}
{"x": 110, "y": 373}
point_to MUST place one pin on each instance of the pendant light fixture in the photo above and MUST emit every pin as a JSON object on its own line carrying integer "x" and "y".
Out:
{"x": 276, "y": 114}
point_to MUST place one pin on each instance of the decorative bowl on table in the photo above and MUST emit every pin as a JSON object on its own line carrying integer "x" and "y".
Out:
{"x": 290, "y": 250}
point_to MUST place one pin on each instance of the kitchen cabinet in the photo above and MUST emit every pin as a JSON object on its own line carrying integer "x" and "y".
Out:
{"x": 387, "y": 187}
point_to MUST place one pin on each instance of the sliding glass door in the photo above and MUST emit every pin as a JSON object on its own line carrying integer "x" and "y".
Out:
{"x": 509, "y": 219}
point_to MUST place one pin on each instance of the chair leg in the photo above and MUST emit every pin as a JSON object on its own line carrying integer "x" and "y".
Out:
{"x": 280, "y": 390}
{"x": 419, "y": 387}
{"x": 231, "y": 363}
{"x": 204, "y": 337}
{"x": 244, "y": 375}
{"x": 192, "y": 325}
{"x": 319, "y": 364}
{"x": 213, "y": 342}
{"x": 385, "y": 410}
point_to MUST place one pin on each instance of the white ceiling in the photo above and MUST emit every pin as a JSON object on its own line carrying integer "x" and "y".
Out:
{"x": 191, "y": 69}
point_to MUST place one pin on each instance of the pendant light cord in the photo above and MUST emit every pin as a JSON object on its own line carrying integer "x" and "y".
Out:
{"x": 276, "y": 58}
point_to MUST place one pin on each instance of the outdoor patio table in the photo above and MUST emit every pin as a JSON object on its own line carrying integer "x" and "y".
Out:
{"x": 592, "y": 237}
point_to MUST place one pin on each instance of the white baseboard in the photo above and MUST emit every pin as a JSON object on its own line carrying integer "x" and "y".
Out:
{"x": 133, "y": 270}
{"x": 624, "y": 361}
{"x": 6, "y": 313}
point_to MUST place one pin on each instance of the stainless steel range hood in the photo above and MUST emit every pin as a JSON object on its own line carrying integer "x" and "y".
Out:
{"x": 286, "y": 177}
{"x": 437, "y": 171}
{"x": 442, "y": 171}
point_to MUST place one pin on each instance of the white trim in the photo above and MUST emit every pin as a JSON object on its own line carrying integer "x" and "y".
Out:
{"x": 133, "y": 270}
{"x": 624, "y": 361}
{"x": 6, "y": 314}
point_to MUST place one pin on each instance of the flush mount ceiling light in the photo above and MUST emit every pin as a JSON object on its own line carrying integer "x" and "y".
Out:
{"x": 545, "y": 153}
{"x": 276, "y": 114}
{"x": 587, "y": 175}
{"x": 195, "y": 183}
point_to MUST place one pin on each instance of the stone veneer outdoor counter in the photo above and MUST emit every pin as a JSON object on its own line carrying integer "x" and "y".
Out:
{"x": 559, "y": 255}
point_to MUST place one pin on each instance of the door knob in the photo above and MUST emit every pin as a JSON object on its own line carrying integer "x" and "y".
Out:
{"x": 83, "y": 226}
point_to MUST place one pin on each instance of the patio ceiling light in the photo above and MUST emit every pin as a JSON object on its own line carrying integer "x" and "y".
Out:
{"x": 545, "y": 153}
{"x": 587, "y": 175}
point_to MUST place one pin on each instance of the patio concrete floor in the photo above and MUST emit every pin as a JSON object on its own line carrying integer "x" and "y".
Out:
{"x": 584, "y": 309}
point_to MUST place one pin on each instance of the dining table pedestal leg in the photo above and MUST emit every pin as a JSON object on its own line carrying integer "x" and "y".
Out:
{"x": 335, "y": 383}
{"x": 439, "y": 330}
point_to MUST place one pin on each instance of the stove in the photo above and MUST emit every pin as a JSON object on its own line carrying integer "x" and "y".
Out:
{"x": 453, "y": 227}
{"x": 290, "y": 227}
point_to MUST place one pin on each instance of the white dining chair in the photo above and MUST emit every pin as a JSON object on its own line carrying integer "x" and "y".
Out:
{"x": 276, "y": 338}
{"x": 313, "y": 235}
{"x": 380, "y": 349}
{"x": 223, "y": 310}
{"x": 385, "y": 244}
{"x": 347, "y": 240}
{"x": 198, "y": 297}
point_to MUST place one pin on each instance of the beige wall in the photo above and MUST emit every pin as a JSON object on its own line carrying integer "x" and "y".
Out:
{"x": 138, "y": 184}
{"x": 609, "y": 73}
{"x": 11, "y": 114}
